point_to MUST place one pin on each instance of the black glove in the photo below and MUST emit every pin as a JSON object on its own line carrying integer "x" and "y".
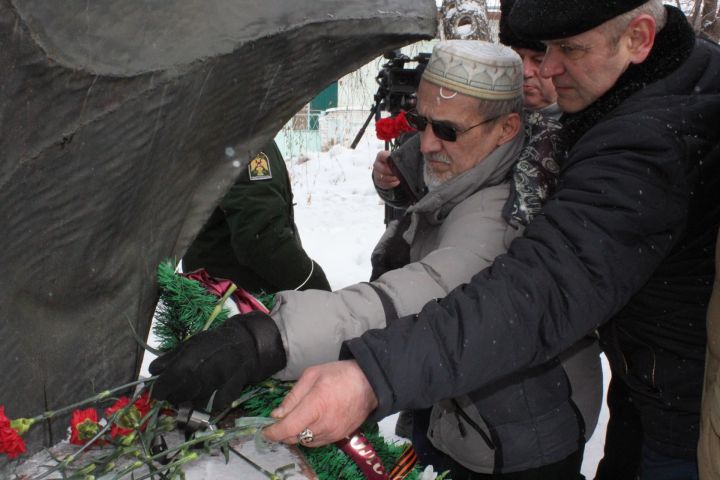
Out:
{"x": 245, "y": 349}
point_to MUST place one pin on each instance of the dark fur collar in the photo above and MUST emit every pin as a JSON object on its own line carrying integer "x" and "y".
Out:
{"x": 673, "y": 46}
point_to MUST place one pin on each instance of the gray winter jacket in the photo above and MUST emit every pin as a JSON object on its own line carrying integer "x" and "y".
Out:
{"x": 454, "y": 231}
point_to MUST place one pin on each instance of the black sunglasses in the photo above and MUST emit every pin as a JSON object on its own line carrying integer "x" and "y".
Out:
{"x": 441, "y": 130}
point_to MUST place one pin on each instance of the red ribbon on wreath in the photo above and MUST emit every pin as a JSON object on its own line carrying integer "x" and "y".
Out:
{"x": 244, "y": 301}
{"x": 390, "y": 128}
{"x": 363, "y": 454}
{"x": 361, "y": 451}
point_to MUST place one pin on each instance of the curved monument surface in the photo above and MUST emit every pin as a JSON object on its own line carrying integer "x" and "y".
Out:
{"x": 121, "y": 125}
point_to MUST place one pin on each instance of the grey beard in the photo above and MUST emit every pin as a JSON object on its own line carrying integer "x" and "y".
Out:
{"x": 433, "y": 181}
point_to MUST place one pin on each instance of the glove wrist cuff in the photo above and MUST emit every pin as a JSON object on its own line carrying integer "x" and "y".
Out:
{"x": 270, "y": 348}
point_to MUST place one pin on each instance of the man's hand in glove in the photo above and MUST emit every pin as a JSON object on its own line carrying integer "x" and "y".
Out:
{"x": 245, "y": 349}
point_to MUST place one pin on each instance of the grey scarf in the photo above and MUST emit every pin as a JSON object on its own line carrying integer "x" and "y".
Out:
{"x": 435, "y": 206}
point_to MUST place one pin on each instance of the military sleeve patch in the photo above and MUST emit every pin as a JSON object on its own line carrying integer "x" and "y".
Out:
{"x": 259, "y": 167}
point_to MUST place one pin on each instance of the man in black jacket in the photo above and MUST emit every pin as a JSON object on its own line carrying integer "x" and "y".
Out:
{"x": 625, "y": 243}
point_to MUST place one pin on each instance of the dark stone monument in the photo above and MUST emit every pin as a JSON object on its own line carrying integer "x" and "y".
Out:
{"x": 121, "y": 125}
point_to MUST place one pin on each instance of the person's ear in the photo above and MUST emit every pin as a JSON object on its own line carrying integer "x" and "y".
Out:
{"x": 640, "y": 37}
{"x": 510, "y": 127}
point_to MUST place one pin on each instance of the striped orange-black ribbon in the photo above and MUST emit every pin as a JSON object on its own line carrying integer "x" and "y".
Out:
{"x": 404, "y": 464}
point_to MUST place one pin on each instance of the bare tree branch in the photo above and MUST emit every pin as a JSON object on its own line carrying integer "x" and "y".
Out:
{"x": 709, "y": 24}
{"x": 696, "y": 18}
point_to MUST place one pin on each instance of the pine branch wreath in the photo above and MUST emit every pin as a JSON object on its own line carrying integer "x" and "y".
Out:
{"x": 183, "y": 308}
{"x": 185, "y": 305}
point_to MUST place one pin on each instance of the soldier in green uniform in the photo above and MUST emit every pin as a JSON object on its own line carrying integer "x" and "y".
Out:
{"x": 251, "y": 237}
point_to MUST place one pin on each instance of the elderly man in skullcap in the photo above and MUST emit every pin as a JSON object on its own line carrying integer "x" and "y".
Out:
{"x": 535, "y": 172}
{"x": 525, "y": 425}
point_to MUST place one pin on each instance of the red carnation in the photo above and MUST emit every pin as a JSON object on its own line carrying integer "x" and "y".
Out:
{"x": 144, "y": 404}
{"x": 130, "y": 420}
{"x": 390, "y": 128}
{"x": 11, "y": 444}
{"x": 83, "y": 426}
{"x": 121, "y": 403}
{"x": 122, "y": 425}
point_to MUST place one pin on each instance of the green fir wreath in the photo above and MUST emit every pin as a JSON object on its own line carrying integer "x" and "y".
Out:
{"x": 184, "y": 309}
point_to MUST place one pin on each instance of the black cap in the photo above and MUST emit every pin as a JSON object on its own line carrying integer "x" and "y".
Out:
{"x": 507, "y": 36}
{"x": 553, "y": 19}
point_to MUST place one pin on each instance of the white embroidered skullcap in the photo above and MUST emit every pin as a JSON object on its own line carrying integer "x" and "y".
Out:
{"x": 475, "y": 68}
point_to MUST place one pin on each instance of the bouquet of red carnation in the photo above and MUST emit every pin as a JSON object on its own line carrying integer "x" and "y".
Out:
{"x": 390, "y": 128}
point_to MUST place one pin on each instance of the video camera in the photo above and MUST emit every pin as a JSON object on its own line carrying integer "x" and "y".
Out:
{"x": 397, "y": 84}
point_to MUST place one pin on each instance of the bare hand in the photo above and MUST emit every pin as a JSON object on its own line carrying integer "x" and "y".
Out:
{"x": 332, "y": 400}
{"x": 383, "y": 176}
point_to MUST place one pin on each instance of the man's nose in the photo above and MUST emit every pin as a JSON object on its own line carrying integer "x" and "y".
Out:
{"x": 429, "y": 143}
{"x": 551, "y": 65}
{"x": 529, "y": 70}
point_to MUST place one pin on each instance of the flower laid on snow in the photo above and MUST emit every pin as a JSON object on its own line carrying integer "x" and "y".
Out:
{"x": 84, "y": 426}
{"x": 11, "y": 443}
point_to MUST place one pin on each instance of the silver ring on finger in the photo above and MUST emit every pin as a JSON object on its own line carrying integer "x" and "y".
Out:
{"x": 306, "y": 437}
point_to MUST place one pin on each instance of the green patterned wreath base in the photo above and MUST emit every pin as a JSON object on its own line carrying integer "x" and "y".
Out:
{"x": 185, "y": 306}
